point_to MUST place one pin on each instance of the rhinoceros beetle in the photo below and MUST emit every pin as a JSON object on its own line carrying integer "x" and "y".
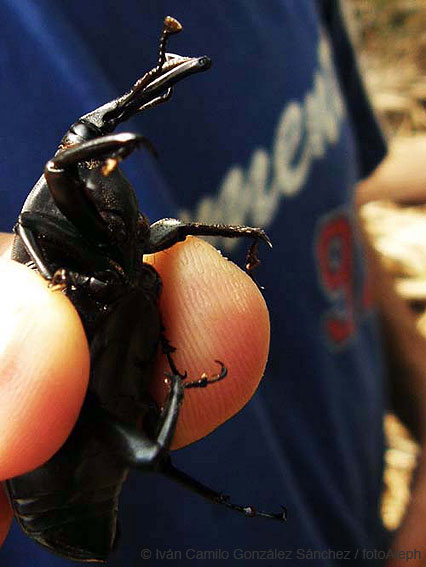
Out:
{"x": 81, "y": 229}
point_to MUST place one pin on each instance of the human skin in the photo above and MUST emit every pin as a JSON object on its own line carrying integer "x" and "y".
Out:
{"x": 210, "y": 308}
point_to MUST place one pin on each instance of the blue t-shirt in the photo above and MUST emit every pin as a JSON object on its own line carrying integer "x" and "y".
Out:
{"x": 276, "y": 134}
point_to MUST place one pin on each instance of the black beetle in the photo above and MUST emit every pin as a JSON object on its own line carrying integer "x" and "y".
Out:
{"x": 81, "y": 229}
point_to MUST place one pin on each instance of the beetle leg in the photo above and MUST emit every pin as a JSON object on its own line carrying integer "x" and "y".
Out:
{"x": 30, "y": 243}
{"x": 218, "y": 498}
{"x": 166, "y": 232}
{"x": 131, "y": 445}
{"x": 204, "y": 380}
{"x": 201, "y": 382}
{"x": 167, "y": 349}
{"x": 159, "y": 100}
{"x": 31, "y": 226}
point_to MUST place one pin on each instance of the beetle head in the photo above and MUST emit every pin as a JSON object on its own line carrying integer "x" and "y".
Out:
{"x": 106, "y": 212}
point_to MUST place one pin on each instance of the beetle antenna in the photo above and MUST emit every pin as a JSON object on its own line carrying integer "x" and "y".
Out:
{"x": 170, "y": 27}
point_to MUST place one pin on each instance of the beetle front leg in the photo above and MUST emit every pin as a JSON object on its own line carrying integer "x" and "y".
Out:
{"x": 34, "y": 252}
{"x": 167, "y": 232}
{"x": 34, "y": 228}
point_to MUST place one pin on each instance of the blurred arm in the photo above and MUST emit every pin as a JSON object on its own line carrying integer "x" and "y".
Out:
{"x": 402, "y": 177}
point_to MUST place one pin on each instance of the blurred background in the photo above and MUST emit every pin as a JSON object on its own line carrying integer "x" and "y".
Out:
{"x": 390, "y": 36}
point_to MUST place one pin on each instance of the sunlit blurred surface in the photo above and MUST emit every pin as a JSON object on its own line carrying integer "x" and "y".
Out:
{"x": 390, "y": 36}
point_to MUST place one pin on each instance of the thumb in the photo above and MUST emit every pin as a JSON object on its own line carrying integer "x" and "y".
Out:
{"x": 44, "y": 369}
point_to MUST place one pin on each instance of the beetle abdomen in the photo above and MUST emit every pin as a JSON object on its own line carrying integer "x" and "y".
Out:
{"x": 83, "y": 533}
{"x": 123, "y": 352}
{"x": 70, "y": 503}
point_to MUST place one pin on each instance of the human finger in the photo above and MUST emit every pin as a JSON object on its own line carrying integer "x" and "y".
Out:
{"x": 44, "y": 369}
{"x": 5, "y": 244}
{"x": 211, "y": 310}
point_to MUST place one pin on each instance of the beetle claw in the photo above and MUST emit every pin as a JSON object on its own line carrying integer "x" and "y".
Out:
{"x": 59, "y": 281}
{"x": 204, "y": 380}
{"x": 250, "y": 511}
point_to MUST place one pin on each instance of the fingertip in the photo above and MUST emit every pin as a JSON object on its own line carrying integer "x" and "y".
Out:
{"x": 6, "y": 241}
{"x": 211, "y": 310}
{"x": 44, "y": 369}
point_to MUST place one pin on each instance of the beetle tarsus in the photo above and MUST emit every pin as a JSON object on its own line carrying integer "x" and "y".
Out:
{"x": 252, "y": 260}
{"x": 168, "y": 349}
{"x": 205, "y": 381}
{"x": 216, "y": 497}
{"x": 251, "y": 512}
{"x": 59, "y": 282}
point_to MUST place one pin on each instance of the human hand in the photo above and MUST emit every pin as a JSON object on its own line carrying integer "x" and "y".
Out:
{"x": 210, "y": 309}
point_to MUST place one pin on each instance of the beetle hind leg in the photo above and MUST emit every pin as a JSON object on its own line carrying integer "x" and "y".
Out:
{"x": 216, "y": 497}
{"x": 131, "y": 446}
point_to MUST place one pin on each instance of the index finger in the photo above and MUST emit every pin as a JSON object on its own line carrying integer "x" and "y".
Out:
{"x": 211, "y": 310}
